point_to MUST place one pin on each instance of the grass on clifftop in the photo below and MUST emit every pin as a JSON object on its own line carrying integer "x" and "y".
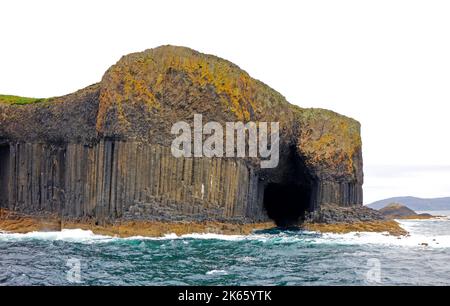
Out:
{"x": 16, "y": 100}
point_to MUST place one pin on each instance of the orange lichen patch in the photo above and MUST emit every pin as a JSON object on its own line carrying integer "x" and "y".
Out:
{"x": 26, "y": 225}
{"x": 17, "y": 223}
{"x": 13, "y": 222}
{"x": 389, "y": 226}
{"x": 140, "y": 77}
{"x": 229, "y": 81}
{"x": 328, "y": 138}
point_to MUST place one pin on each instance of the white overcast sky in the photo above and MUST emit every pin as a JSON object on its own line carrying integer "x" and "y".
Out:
{"x": 384, "y": 63}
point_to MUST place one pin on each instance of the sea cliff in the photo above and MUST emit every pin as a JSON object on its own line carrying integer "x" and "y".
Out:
{"x": 102, "y": 155}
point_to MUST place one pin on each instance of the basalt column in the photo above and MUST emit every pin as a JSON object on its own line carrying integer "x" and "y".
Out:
{"x": 4, "y": 175}
{"x": 134, "y": 180}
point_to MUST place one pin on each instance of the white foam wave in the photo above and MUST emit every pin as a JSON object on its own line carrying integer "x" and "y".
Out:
{"x": 420, "y": 234}
{"x": 246, "y": 259}
{"x": 417, "y": 237}
{"x": 221, "y": 272}
{"x": 413, "y": 240}
{"x": 205, "y": 236}
{"x": 215, "y": 236}
{"x": 74, "y": 235}
{"x": 79, "y": 235}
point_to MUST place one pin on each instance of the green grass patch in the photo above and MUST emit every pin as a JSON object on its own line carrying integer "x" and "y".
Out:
{"x": 16, "y": 100}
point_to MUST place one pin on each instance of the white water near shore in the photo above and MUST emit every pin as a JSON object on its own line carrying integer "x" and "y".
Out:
{"x": 420, "y": 235}
{"x": 269, "y": 257}
{"x": 431, "y": 233}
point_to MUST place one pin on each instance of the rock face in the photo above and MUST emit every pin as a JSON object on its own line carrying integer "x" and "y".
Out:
{"x": 330, "y": 214}
{"x": 104, "y": 152}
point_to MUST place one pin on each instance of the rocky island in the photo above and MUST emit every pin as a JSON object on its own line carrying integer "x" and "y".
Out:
{"x": 400, "y": 211}
{"x": 100, "y": 158}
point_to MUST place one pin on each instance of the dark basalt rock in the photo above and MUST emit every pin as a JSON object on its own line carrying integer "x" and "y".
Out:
{"x": 104, "y": 151}
{"x": 329, "y": 213}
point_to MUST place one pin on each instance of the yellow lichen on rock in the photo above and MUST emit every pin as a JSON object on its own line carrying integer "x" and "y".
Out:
{"x": 382, "y": 226}
{"x": 328, "y": 139}
{"x": 140, "y": 77}
{"x": 234, "y": 85}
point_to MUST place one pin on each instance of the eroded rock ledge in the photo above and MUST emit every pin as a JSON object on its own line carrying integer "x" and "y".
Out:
{"x": 23, "y": 223}
{"x": 103, "y": 153}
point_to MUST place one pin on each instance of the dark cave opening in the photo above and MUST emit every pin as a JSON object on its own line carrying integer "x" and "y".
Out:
{"x": 4, "y": 174}
{"x": 288, "y": 189}
{"x": 286, "y": 204}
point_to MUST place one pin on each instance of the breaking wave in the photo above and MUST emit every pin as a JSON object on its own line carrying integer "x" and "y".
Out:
{"x": 268, "y": 257}
{"x": 418, "y": 237}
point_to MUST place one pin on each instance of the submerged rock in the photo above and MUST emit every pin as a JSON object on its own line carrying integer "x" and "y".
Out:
{"x": 103, "y": 152}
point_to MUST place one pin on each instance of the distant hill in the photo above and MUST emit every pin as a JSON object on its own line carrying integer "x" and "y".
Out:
{"x": 415, "y": 203}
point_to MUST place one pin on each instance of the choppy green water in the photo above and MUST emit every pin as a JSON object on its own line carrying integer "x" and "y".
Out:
{"x": 264, "y": 258}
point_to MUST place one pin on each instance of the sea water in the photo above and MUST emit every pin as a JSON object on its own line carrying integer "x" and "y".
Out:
{"x": 270, "y": 257}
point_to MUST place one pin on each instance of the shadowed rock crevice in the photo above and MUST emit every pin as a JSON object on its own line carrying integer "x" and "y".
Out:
{"x": 4, "y": 174}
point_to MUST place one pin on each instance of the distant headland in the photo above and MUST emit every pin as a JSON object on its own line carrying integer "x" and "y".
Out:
{"x": 415, "y": 203}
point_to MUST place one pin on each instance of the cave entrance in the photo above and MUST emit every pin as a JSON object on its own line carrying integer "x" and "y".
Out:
{"x": 4, "y": 175}
{"x": 288, "y": 189}
{"x": 286, "y": 204}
